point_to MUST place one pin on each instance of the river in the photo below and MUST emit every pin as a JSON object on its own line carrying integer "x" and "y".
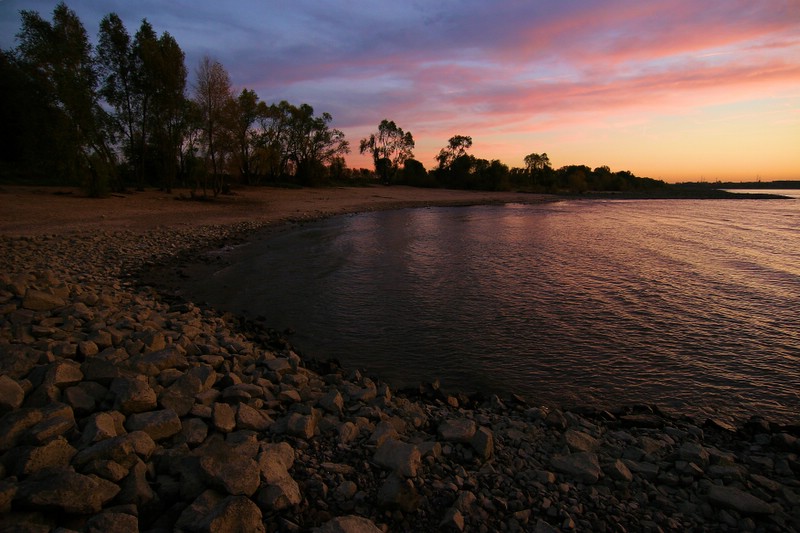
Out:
{"x": 692, "y": 305}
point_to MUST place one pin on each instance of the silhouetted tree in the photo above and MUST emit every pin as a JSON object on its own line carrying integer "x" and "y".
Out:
{"x": 456, "y": 147}
{"x": 57, "y": 57}
{"x": 212, "y": 94}
{"x": 390, "y": 148}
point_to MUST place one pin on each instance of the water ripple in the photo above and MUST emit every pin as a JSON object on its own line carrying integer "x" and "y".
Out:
{"x": 688, "y": 304}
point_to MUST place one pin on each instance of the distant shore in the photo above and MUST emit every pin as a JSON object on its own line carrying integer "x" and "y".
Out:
{"x": 59, "y": 210}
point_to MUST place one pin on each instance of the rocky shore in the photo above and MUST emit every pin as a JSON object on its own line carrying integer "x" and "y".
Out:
{"x": 122, "y": 409}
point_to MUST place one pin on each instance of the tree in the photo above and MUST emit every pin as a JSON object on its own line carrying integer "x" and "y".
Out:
{"x": 389, "y": 148}
{"x": 117, "y": 71}
{"x": 245, "y": 112}
{"x": 58, "y": 58}
{"x": 299, "y": 144}
{"x": 144, "y": 81}
{"x": 212, "y": 92}
{"x": 537, "y": 165}
{"x": 169, "y": 117}
{"x": 457, "y": 146}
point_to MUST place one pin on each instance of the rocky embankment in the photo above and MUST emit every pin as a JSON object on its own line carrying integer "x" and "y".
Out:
{"x": 121, "y": 411}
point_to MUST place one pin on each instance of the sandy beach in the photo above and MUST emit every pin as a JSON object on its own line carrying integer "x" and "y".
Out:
{"x": 57, "y": 210}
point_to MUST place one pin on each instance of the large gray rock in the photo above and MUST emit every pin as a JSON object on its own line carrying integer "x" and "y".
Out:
{"x": 581, "y": 466}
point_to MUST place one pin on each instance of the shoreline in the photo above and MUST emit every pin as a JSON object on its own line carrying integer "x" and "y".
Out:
{"x": 157, "y": 412}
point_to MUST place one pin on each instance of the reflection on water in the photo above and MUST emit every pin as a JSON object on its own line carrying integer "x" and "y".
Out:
{"x": 690, "y": 304}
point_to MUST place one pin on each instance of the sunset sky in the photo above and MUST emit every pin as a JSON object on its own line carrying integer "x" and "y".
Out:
{"x": 675, "y": 90}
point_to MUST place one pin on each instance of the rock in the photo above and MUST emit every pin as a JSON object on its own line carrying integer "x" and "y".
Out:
{"x": 483, "y": 443}
{"x": 194, "y": 431}
{"x": 63, "y": 373}
{"x": 231, "y": 473}
{"x": 581, "y": 466}
{"x": 100, "y": 426}
{"x": 695, "y": 453}
{"x": 345, "y": 491}
{"x": 27, "y": 460}
{"x": 400, "y": 457}
{"x": 66, "y": 490}
{"x": 125, "y": 450}
{"x": 249, "y": 418}
{"x": 647, "y": 421}
{"x": 36, "y": 300}
{"x": 223, "y": 418}
{"x": 457, "y": 430}
{"x": 57, "y": 419}
{"x": 159, "y": 425}
{"x": 618, "y": 471}
{"x": 556, "y": 419}
{"x": 11, "y": 394}
{"x": 193, "y": 516}
{"x": 13, "y": 426}
{"x": 234, "y": 513}
{"x": 88, "y": 348}
{"x": 348, "y": 524}
{"x": 398, "y": 493}
{"x": 453, "y": 520}
{"x": 302, "y": 426}
{"x": 112, "y": 522}
{"x": 332, "y": 402}
{"x": 383, "y": 431}
{"x": 281, "y": 494}
{"x": 79, "y": 399}
{"x": 99, "y": 370}
{"x": 579, "y": 441}
{"x": 133, "y": 395}
{"x": 738, "y": 500}
{"x": 281, "y": 451}
{"x": 348, "y": 432}
{"x": 135, "y": 489}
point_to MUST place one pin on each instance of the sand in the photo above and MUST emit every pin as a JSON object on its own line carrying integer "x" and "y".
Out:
{"x": 31, "y": 211}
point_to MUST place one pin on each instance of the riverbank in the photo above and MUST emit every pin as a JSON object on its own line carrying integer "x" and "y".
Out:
{"x": 152, "y": 413}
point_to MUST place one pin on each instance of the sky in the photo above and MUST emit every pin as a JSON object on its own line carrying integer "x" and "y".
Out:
{"x": 679, "y": 90}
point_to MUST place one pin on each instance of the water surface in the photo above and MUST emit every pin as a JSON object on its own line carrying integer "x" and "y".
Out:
{"x": 688, "y": 304}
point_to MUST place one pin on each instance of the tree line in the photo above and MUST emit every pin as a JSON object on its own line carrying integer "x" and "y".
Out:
{"x": 122, "y": 114}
